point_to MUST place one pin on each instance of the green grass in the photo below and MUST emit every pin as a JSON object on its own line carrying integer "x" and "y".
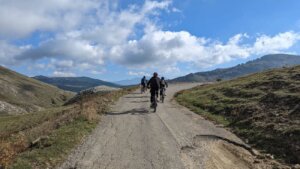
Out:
{"x": 261, "y": 108}
{"x": 61, "y": 142}
{"x": 195, "y": 107}
{"x": 64, "y": 127}
{"x": 14, "y": 124}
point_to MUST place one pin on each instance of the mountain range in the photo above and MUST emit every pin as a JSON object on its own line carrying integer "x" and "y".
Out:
{"x": 74, "y": 84}
{"x": 258, "y": 65}
{"x": 127, "y": 82}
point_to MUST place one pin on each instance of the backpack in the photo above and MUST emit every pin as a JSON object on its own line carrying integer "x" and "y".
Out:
{"x": 163, "y": 83}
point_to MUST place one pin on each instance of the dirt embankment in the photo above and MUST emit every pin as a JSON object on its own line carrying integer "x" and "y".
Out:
{"x": 263, "y": 109}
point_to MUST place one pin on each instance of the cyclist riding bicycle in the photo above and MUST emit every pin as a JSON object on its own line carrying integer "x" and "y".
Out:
{"x": 143, "y": 84}
{"x": 163, "y": 86}
{"x": 154, "y": 85}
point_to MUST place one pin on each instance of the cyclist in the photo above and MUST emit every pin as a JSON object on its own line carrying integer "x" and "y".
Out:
{"x": 143, "y": 84}
{"x": 163, "y": 86}
{"x": 154, "y": 85}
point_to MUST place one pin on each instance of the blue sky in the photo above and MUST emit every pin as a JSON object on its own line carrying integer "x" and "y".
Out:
{"x": 114, "y": 40}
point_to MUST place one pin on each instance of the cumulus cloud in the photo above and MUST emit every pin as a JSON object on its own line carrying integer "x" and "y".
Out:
{"x": 267, "y": 44}
{"x": 85, "y": 43}
{"x": 158, "y": 47}
{"x": 66, "y": 53}
{"x": 115, "y": 27}
{"x": 20, "y": 18}
{"x": 87, "y": 34}
{"x": 8, "y": 53}
{"x": 165, "y": 47}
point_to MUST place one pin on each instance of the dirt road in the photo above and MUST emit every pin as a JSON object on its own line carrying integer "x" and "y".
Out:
{"x": 133, "y": 137}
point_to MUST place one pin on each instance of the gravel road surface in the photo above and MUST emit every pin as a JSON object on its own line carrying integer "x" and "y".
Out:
{"x": 131, "y": 136}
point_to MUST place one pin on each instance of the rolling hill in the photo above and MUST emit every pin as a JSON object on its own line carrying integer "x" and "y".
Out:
{"x": 74, "y": 84}
{"x": 20, "y": 94}
{"x": 264, "y": 63}
{"x": 263, "y": 108}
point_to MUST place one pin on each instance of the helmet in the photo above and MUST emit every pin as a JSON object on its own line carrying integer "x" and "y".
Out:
{"x": 162, "y": 78}
{"x": 155, "y": 74}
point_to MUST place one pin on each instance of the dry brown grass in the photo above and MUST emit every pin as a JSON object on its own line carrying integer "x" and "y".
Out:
{"x": 17, "y": 142}
{"x": 18, "y": 132}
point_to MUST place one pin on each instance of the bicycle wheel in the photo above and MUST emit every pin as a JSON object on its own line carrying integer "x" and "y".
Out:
{"x": 155, "y": 104}
{"x": 162, "y": 95}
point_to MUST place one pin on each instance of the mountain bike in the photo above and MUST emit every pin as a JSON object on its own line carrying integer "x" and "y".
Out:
{"x": 154, "y": 103}
{"x": 162, "y": 94}
{"x": 143, "y": 89}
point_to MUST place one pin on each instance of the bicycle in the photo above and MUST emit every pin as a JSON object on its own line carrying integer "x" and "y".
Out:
{"x": 162, "y": 94}
{"x": 154, "y": 103}
{"x": 143, "y": 89}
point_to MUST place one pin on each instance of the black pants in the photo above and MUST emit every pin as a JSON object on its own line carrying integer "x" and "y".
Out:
{"x": 154, "y": 93}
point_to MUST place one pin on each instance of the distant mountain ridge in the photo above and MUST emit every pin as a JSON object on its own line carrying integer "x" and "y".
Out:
{"x": 74, "y": 84}
{"x": 21, "y": 94}
{"x": 129, "y": 82}
{"x": 258, "y": 65}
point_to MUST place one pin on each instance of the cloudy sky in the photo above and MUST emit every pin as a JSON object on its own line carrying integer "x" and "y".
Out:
{"x": 124, "y": 39}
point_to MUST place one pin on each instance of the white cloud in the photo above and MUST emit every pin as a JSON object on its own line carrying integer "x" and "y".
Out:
{"x": 116, "y": 27}
{"x": 160, "y": 48}
{"x": 175, "y": 9}
{"x": 66, "y": 53}
{"x": 84, "y": 43}
{"x": 87, "y": 34}
{"x": 134, "y": 73}
{"x": 63, "y": 74}
{"x": 97, "y": 72}
{"x": 8, "y": 53}
{"x": 20, "y": 18}
{"x": 267, "y": 44}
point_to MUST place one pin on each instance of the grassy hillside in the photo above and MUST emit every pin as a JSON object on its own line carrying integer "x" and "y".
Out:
{"x": 257, "y": 65}
{"x": 21, "y": 94}
{"x": 74, "y": 84}
{"x": 43, "y": 140}
{"x": 262, "y": 108}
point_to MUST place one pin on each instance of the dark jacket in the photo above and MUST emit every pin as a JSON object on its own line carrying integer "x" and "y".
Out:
{"x": 154, "y": 83}
{"x": 143, "y": 81}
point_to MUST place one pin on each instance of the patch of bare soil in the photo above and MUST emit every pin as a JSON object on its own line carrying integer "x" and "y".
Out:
{"x": 212, "y": 152}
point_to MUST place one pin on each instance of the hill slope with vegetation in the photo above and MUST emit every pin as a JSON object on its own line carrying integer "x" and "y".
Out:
{"x": 44, "y": 139}
{"x": 264, "y": 63}
{"x": 21, "y": 94}
{"x": 262, "y": 108}
{"x": 74, "y": 84}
